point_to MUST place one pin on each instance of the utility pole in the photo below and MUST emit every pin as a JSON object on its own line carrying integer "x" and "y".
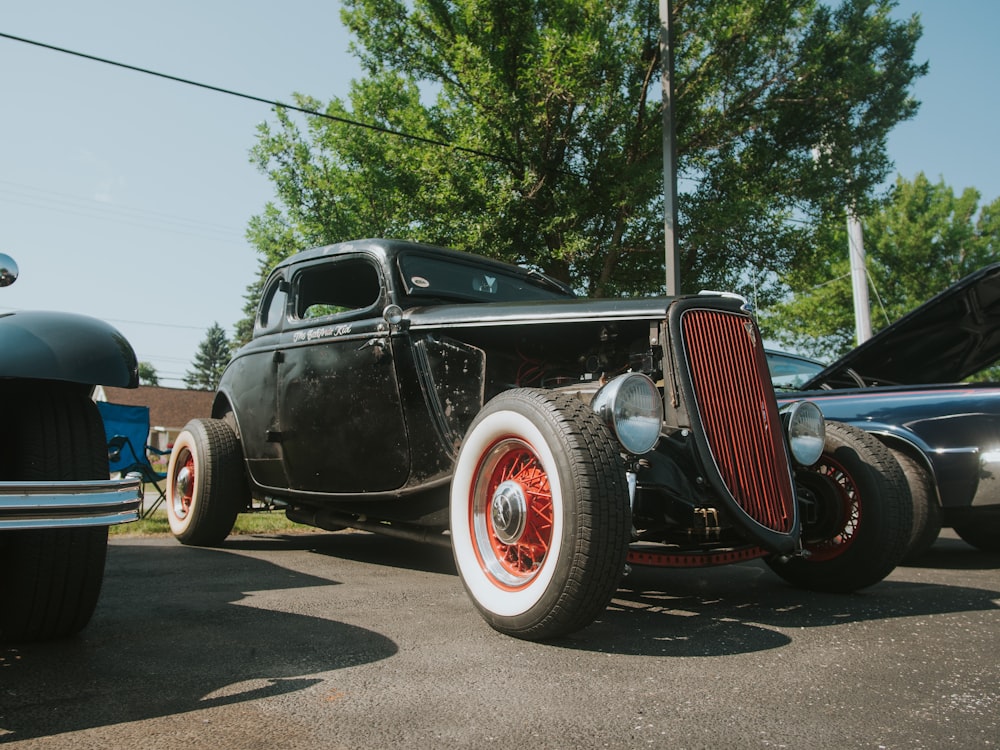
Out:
{"x": 859, "y": 278}
{"x": 672, "y": 257}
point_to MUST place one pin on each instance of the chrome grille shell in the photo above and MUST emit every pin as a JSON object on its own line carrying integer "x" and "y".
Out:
{"x": 723, "y": 392}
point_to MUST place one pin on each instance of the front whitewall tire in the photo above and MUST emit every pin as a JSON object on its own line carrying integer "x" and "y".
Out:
{"x": 539, "y": 514}
{"x": 482, "y": 586}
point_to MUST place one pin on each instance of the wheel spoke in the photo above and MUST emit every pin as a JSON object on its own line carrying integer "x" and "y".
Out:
{"x": 847, "y": 514}
{"x": 514, "y": 464}
{"x": 183, "y": 481}
{"x": 186, "y": 497}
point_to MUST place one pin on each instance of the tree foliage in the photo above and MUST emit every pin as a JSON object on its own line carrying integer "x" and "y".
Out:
{"x": 148, "y": 374}
{"x": 564, "y": 98}
{"x": 924, "y": 238}
{"x": 210, "y": 360}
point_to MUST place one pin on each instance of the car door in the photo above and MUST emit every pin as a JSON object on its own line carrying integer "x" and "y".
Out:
{"x": 340, "y": 420}
{"x": 252, "y": 380}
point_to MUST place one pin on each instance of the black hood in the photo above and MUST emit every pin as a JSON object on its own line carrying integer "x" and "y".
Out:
{"x": 946, "y": 339}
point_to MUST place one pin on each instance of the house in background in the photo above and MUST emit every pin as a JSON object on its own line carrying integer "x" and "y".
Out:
{"x": 169, "y": 408}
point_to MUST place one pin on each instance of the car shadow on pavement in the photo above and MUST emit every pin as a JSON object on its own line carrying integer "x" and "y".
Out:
{"x": 170, "y": 636}
{"x": 950, "y": 553}
{"x": 745, "y": 608}
{"x": 371, "y": 549}
{"x": 717, "y": 611}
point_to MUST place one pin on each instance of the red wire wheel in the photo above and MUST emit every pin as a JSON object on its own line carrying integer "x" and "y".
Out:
{"x": 841, "y": 514}
{"x": 857, "y": 515}
{"x": 206, "y": 483}
{"x": 180, "y": 500}
{"x": 512, "y": 513}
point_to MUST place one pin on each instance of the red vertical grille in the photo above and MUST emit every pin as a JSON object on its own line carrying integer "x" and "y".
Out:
{"x": 736, "y": 404}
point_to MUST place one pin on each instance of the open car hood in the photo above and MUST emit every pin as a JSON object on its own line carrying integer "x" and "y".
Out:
{"x": 951, "y": 336}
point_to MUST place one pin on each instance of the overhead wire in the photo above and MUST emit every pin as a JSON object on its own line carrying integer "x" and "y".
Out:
{"x": 15, "y": 192}
{"x": 27, "y": 195}
{"x": 262, "y": 100}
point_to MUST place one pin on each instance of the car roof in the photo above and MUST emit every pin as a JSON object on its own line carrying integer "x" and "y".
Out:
{"x": 384, "y": 248}
{"x": 387, "y": 250}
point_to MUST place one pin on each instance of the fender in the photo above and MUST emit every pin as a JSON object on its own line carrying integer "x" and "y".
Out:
{"x": 959, "y": 478}
{"x": 67, "y": 347}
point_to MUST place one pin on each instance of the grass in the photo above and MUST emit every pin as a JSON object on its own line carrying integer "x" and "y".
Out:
{"x": 266, "y": 522}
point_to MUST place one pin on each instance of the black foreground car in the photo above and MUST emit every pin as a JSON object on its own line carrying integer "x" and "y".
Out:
{"x": 550, "y": 441}
{"x": 56, "y": 501}
{"x": 905, "y": 386}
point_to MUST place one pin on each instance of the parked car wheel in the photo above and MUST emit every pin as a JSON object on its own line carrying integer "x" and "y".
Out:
{"x": 539, "y": 514}
{"x": 206, "y": 484}
{"x": 926, "y": 511}
{"x": 50, "y": 579}
{"x": 862, "y": 516}
{"x": 983, "y": 533}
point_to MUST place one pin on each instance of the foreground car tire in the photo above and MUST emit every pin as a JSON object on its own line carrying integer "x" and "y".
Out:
{"x": 206, "y": 485}
{"x": 50, "y": 579}
{"x": 539, "y": 514}
{"x": 863, "y": 516}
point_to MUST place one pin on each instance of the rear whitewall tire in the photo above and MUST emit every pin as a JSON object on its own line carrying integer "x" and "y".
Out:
{"x": 206, "y": 483}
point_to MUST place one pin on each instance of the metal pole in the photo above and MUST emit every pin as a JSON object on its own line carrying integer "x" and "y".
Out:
{"x": 672, "y": 257}
{"x": 859, "y": 279}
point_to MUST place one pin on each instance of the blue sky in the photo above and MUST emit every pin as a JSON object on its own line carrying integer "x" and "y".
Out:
{"x": 126, "y": 197}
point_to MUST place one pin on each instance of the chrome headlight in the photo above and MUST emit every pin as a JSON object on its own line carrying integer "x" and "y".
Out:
{"x": 806, "y": 430}
{"x": 630, "y": 406}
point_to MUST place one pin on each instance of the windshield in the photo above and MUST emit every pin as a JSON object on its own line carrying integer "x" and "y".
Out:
{"x": 789, "y": 372}
{"x": 447, "y": 279}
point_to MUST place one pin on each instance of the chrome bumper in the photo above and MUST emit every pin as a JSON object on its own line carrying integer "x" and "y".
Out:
{"x": 53, "y": 505}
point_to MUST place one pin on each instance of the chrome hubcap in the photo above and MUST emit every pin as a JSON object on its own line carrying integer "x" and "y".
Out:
{"x": 183, "y": 490}
{"x": 508, "y": 511}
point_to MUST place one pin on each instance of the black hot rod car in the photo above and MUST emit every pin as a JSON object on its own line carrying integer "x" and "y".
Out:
{"x": 550, "y": 440}
{"x": 56, "y": 501}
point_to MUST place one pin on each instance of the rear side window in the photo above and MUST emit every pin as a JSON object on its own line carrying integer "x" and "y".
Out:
{"x": 334, "y": 288}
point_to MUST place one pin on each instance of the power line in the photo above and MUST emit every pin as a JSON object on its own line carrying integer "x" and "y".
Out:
{"x": 122, "y": 215}
{"x": 112, "y": 207}
{"x": 262, "y": 100}
{"x": 158, "y": 325}
{"x": 121, "y": 321}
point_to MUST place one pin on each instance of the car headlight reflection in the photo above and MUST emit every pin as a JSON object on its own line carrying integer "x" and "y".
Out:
{"x": 806, "y": 429}
{"x": 630, "y": 406}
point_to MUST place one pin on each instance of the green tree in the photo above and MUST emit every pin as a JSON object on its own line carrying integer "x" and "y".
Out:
{"x": 564, "y": 97}
{"x": 211, "y": 359}
{"x": 922, "y": 239}
{"x": 147, "y": 374}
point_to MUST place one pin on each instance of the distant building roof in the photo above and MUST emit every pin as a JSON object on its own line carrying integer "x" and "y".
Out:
{"x": 169, "y": 408}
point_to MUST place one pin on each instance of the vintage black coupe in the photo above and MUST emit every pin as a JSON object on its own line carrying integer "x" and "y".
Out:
{"x": 905, "y": 386}
{"x": 56, "y": 501}
{"x": 551, "y": 441}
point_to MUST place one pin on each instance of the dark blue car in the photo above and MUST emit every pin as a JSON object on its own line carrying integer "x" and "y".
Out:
{"x": 907, "y": 385}
{"x": 56, "y": 500}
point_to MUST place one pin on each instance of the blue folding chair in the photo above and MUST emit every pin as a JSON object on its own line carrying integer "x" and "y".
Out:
{"x": 127, "y": 427}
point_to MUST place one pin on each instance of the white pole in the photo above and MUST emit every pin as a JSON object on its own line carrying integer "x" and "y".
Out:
{"x": 859, "y": 279}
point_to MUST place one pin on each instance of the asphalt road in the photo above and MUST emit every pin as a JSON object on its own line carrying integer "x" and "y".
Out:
{"x": 354, "y": 641}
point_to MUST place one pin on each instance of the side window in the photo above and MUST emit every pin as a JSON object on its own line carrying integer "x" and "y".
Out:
{"x": 333, "y": 288}
{"x": 272, "y": 307}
